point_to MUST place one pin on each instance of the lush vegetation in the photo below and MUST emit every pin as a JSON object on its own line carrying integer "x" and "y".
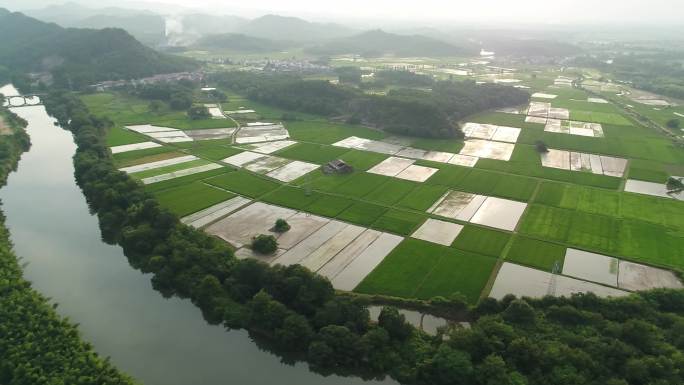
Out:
{"x": 405, "y": 111}
{"x": 580, "y": 340}
{"x": 79, "y": 57}
{"x": 37, "y": 346}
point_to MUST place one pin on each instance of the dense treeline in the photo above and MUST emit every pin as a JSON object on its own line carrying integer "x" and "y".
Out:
{"x": 433, "y": 113}
{"x": 581, "y": 340}
{"x": 79, "y": 57}
{"x": 37, "y": 346}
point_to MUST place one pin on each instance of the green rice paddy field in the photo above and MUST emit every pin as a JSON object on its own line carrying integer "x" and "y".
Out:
{"x": 565, "y": 209}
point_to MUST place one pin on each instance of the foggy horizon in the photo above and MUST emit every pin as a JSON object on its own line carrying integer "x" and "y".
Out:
{"x": 429, "y": 13}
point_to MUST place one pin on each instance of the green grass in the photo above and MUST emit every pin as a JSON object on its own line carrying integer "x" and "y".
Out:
{"x": 291, "y": 197}
{"x": 399, "y": 221}
{"x": 132, "y": 158}
{"x": 360, "y": 184}
{"x": 244, "y": 183}
{"x": 328, "y": 133}
{"x": 649, "y": 171}
{"x": 445, "y": 145}
{"x": 184, "y": 180}
{"x": 214, "y": 152}
{"x": 535, "y": 253}
{"x": 546, "y": 222}
{"x": 126, "y": 109}
{"x": 419, "y": 269}
{"x": 391, "y": 191}
{"x": 313, "y": 153}
{"x": 169, "y": 169}
{"x": 118, "y": 136}
{"x": 481, "y": 240}
{"x": 362, "y": 160}
{"x": 190, "y": 198}
{"x": 329, "y": 205}
{"x": 362, "y": 213}
{"x": 422, "y": 197}
{"x": 599, "y": 117}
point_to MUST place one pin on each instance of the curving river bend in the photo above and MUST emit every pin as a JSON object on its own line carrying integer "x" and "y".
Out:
{"x": 158, "y": 341}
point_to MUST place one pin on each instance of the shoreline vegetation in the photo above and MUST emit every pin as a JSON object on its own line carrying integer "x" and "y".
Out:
{"x": 37, "y": 345}
{"x": 297, "y": 314}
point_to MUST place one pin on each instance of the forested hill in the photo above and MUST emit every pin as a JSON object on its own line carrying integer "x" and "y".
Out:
{"x": 79, "y": 56}
{"x": 424, "y": 113}
{"x": 379, "y": 43}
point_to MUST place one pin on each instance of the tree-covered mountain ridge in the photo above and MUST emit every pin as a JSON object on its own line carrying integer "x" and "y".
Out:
{"x": 78, "y": 57}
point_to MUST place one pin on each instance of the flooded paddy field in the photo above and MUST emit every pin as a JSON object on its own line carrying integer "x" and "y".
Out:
{"x": 418, "y": 217}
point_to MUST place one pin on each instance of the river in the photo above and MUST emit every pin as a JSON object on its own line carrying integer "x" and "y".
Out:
{"x": 158, "y": 341}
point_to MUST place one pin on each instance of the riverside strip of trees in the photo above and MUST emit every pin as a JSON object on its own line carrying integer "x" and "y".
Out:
{"x": 432, "y": 114}
{"x": 37, "y": 346}
{"x": 579, "y": 340}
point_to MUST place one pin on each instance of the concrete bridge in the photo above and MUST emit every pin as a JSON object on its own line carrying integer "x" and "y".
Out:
{"x": 22, "y": 100}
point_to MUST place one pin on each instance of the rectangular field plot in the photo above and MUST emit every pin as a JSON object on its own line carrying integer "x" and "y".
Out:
{"x": 436, "y": 231}
{"x": 419, "y": 269}
{"x": 217, "y": 211}
{"x": 399, "y": 150}
{"x": 541, "y": 95}
{"x": 181, "y": 173}
{"x": 261, "y": 132}
{"x": 403, "y": 168}
{"x": 545, "y": 111}
{"x": 535, "y": 253}
{"x": 571, "y": 127}
{"x": 158, "y": 164}
{"x": 576, "y": 161}
{"x": 391, "y": 166}
{"x": 488, "y": 211}
{"x": 269, "y": 147}
{"x": 591, "y": 267}
{"x": 600, "y": 117}
{"x": 650, "y": 188}
{"x": 162, "y": 134}
{"x": 133, "y": 147}
{"x": 527, "y": 282}
{"x": 342, "y": 252}
{"x": 634, "y": 276}
{"x": 210, "y": 133}
{"x": 244, "y": 183}
{"x": 314, "y": 153}
{"x": 479, "y": 148}
{"x": 284, "y": 170}
{"x": 491, "y": 132}
{"x": 499, "y": 213}
{"x": 257, "y": 218}
{"x": 482, "y": 241}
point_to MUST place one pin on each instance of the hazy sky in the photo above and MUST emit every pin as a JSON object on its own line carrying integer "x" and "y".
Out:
{"x": 523, "y": 11}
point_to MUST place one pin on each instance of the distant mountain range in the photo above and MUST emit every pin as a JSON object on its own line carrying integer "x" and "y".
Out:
{"x": 293, "y": 29}
{"x": 79, "y": 56}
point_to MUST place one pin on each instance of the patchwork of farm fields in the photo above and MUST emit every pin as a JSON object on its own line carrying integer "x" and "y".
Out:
{"x": 449, "y": 227}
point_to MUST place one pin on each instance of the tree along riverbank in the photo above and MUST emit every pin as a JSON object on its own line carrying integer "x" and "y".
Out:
{"x": 37, "y": 346}
{"x": 578, "y": 340}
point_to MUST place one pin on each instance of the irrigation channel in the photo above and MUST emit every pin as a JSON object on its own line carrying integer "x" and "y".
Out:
{"x": 158, "y": 341}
